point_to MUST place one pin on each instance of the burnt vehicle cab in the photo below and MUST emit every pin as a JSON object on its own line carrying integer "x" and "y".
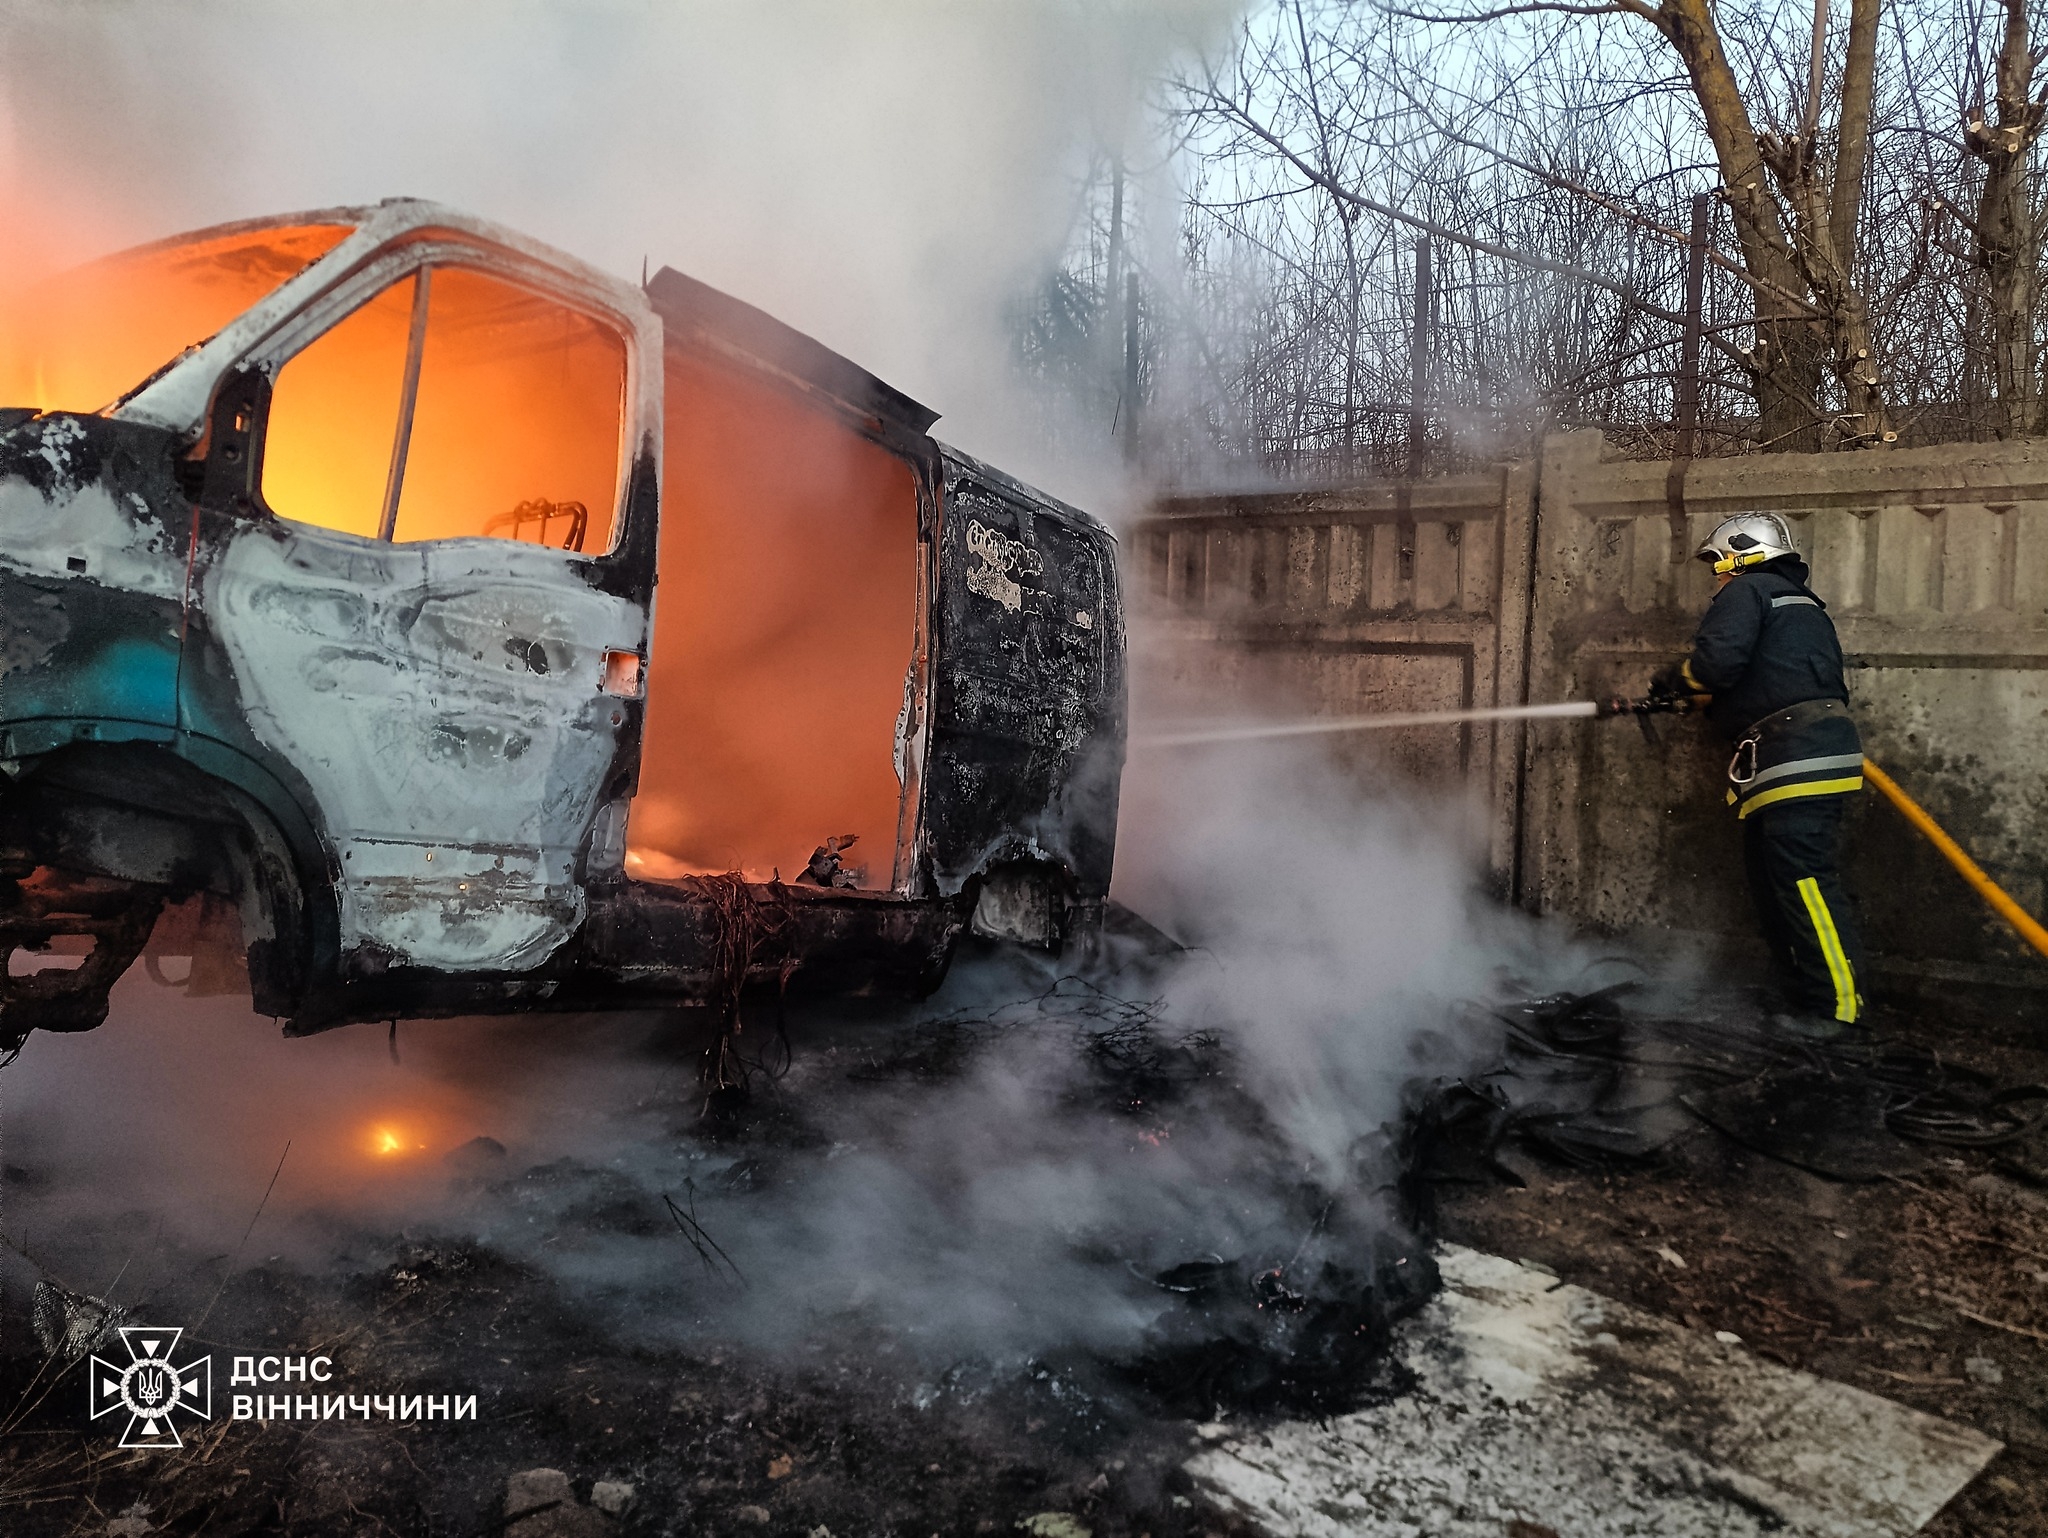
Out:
{"x": 441, "y": 625}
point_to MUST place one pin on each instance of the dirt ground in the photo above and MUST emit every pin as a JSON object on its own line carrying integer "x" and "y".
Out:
{"x": 1932, "y": 1291}
{"x": 839, "y": 1439}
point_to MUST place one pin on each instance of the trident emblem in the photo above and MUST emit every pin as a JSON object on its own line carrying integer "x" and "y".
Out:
{"x": 151, "y": 1388}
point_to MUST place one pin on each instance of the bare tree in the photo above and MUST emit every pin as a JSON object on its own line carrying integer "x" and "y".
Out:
{"x": 1794, "y": 205}
{"x": 2007, "y": 242}
{"x": 1874, "y": 267}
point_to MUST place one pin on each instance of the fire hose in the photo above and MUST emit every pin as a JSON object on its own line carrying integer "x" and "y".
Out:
{"x": 2000, "y": 900}
{"x": 1989, "y": 890}
{"x": 1642, "y": 710}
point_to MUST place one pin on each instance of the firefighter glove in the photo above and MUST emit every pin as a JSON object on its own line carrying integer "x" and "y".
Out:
{"x": 1669, "y": 683}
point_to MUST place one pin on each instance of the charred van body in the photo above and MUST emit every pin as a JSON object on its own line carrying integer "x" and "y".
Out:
{"x": 446, "y": 627}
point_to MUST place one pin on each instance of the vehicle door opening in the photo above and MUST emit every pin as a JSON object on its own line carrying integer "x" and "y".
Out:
{"x": 781, "y": 706}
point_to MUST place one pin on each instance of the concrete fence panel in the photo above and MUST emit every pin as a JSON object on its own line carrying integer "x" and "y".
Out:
{"x": 1572, "y": 579}
{"x": 1934, "y": 563}
{"x": 1390, "y": 597}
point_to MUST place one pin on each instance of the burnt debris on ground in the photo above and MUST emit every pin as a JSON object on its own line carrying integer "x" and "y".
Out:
{"x": 1586, "y": 1080}
{"x": 953, "y": 1273}
{"x": 950, "y": 1273}
{"x": 1930, "y": 1288}
{"x": 1292, "y": 1316}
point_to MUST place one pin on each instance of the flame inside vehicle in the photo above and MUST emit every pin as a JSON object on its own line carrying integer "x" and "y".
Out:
{"x": 442, "y": 405}
{"x": 779, "y": 688}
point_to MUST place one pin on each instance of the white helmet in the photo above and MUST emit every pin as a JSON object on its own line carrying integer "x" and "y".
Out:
{"x": 1746, "y": 540}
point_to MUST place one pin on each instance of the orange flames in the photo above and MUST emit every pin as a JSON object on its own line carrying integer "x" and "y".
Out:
{"x": 783, "y": 632}
{"x": 519, "y": 400}
{"x": 80, "y": 340}
{"x": 392, "y": 1140}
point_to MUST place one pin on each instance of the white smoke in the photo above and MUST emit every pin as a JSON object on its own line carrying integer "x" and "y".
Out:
{"x": 1340, "y": 924}
{"x": 889, "y": 176}
{"x": 993, "y": 1210}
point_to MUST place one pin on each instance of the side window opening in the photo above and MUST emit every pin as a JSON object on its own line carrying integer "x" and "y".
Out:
{"x": 453, "y": 405}
{"x": 515, "y": 430}
{"x": 334, "y": 409}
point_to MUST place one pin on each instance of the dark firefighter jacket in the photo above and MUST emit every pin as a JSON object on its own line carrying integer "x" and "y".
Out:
{"x": 1766, "y": 651}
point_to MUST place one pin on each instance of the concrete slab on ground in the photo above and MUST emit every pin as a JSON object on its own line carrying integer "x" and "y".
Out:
{"x": 1540, "y": 1406}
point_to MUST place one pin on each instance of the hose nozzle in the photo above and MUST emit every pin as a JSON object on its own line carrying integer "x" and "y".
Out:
{"x": 1643, "y": 709}
{"x": 1647, "y": 705}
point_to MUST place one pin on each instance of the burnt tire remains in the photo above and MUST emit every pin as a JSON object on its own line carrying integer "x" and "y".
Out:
{"x": 47, "y": 908}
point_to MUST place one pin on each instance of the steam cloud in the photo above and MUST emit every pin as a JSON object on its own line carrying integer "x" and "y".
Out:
{"x": 886, "y": 176}
{"x": 992, "y": 1215}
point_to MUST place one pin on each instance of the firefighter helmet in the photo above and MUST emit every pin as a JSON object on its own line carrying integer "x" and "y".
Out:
{"x": 1746, "y": 540}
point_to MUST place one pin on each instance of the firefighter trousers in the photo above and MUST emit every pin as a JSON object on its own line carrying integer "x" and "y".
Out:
{"x": 1792, "y": 851}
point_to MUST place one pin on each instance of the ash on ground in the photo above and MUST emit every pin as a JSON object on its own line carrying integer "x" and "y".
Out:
{"x": 951, "y": 1269}
{"x": 999, "y": 1264}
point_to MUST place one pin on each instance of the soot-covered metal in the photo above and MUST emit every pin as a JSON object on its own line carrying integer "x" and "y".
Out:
{"x": 399, "y": 775}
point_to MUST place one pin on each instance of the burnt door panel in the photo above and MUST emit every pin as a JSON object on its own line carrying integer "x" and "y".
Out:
{"x": 377, "y": 618}
{"x": 93, "y": 540}
{"x": 1027, "y": 722}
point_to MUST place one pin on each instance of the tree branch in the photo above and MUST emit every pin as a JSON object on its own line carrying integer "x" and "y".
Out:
{"x": 1620, "y": 210}
{"x": 1617, "y": 7}
{"x": 1431, "y": 227}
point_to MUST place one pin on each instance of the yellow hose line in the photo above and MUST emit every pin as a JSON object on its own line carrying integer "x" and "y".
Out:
{"x": 1987, "y": 889}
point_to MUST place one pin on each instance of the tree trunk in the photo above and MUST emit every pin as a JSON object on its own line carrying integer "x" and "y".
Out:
{"x": 1809, "y": 304}
{"x": 2005, "y": 228}
{"x": 1852, "y": 144}
{"x": 1825, "y": 269}
{"x": 1787, "y": 359}
{"x": 1855, "y": 356}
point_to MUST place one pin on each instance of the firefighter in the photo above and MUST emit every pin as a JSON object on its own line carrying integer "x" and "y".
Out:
{"x": 1767, "y": 656}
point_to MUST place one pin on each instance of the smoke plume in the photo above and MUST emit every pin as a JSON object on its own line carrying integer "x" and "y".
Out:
{"x": 886, "y": 176}
{"x": 976, "y": 1175}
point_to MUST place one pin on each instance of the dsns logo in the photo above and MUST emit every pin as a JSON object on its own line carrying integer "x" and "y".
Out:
{"x": 151, "y": 1387}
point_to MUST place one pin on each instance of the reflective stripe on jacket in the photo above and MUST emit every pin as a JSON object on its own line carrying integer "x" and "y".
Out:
{"x": 1811, "y": 748}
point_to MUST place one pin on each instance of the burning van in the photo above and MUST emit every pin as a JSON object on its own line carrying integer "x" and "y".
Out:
{"x": 442, "y": 626}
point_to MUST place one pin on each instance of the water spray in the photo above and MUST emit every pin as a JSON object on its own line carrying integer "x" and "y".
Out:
{"x": 1196, "y": 735}
{"x": 1193, "y": 735}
